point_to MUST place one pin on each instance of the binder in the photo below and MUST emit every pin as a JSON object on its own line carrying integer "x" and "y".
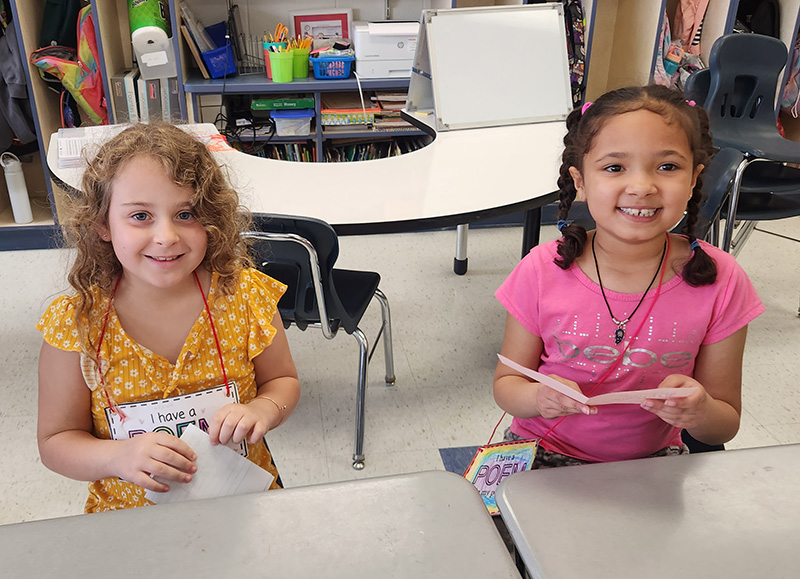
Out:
{"x": 119, "y": 99}
{"x": 129, "y": 80}
{"x": 149, "y": 99}
{"x": 170, "y": 100}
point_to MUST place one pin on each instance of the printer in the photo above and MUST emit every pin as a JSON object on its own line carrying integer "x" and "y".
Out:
{"x": 384, "y": 49}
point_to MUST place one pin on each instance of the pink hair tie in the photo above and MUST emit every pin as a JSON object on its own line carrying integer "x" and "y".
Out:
{"x": 585, "y": 106}
{"x": 691, "y": 103}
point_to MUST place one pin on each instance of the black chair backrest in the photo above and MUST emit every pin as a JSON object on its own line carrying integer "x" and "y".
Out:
{"x": 717, "y": 179}
{"x": 696, "y": 86}
{"x": 744, "y": 71}
{"x": 288, "y": 262}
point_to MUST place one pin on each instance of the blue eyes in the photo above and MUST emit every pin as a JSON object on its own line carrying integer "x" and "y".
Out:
{"x": 182, "y": 216}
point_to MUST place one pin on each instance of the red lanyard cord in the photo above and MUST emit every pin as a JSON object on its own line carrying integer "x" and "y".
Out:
{"x": 613, "y": 366}
{"x": 112, "y": 404}
{"x": 214, "y": 331}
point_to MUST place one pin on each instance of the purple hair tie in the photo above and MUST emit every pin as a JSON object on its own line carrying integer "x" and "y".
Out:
{"x": 585, "y": 106}
{"x": 691, "y": 103}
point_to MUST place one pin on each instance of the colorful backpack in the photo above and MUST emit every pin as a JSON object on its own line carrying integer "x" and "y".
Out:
{"x": 77, "y": 70}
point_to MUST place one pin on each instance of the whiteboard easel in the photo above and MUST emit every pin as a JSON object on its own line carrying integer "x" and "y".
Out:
{"x": 489, "y": 67}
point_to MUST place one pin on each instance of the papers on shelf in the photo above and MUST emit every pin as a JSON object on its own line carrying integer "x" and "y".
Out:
{"x": 221, "y": 471}
{"x": 629, "y": 397}
{"x": 73, "y": 142}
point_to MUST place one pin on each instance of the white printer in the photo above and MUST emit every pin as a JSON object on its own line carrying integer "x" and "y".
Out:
{"x": 384, "y": 49}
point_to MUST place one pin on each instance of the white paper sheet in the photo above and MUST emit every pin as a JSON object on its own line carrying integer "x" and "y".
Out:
{"x": 630, "y": 397}
{"x": 220, "y": 472}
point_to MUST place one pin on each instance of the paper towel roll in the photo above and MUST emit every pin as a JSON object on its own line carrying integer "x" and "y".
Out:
{"x": 146, "y": 13}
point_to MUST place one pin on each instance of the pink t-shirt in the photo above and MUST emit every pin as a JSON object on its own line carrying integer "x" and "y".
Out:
{"x": 566, "y": 309}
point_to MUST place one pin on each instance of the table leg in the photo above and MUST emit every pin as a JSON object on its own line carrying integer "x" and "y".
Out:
{"x": 460, "y": 261}
{"x": 530, "y": 229}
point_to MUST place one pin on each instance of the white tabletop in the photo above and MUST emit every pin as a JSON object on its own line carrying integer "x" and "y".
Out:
{"x": 472, "y": 173}
{"x": 729, "y": 514}
{"x": 422, "y": 525}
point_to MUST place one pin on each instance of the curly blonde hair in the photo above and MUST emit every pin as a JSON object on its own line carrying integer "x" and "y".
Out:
{"x": 188, "y": 163}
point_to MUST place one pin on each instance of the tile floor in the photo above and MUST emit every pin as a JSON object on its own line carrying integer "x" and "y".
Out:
{"x": 447, "y": 329}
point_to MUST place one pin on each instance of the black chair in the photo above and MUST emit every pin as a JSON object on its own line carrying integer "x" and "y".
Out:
{"x": 301, "y": 252}
{"x": 738, "y": 91}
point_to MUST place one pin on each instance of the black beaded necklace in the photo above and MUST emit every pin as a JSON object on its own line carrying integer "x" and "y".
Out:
{"x": 619, "y": 333}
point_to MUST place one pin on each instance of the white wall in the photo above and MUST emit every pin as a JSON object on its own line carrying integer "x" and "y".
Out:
{"x": 263, "y": 15}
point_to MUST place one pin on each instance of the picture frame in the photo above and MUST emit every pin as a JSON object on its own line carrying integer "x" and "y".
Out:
{"x": 323, "y": 24}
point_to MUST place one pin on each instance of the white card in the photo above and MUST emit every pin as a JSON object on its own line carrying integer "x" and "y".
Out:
{"x": 220, "y": 472}
{"x": 630, "y": 397}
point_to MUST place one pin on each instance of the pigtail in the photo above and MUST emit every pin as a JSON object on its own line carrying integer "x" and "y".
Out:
{"x": 573, "y": 239}
{"x": 701, "y": 269}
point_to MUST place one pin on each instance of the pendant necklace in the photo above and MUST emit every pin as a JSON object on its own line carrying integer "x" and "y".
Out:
{"x": 619, "y": 333}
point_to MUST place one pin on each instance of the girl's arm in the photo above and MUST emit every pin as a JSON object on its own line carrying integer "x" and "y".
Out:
{"x": 518, "y": 395}
{"x": 277, "y": 396}
{"x": 68, "y": 447}
{"x": 711, "y": 415}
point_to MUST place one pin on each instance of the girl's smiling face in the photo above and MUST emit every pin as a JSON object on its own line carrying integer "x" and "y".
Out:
{"x": 151, "y": 224}
{"x": 638, "y": 176}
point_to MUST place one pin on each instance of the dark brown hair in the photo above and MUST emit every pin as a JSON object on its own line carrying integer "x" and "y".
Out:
{"x": 582, "y": 128}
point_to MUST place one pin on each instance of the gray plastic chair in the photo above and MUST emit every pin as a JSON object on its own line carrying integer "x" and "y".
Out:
{"x": 738, "y": 91}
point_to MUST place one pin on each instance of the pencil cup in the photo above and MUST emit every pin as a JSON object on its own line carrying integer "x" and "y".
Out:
{"x": 281, "y": 63}
{"x": 300, "y": 60}
{"x": 267, "y": 46}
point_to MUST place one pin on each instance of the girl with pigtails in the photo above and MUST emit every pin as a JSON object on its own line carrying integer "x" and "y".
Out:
{"x": 628, "y": 306}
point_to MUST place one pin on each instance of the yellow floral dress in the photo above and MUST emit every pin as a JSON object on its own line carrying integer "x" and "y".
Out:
{"x": 243, "y": 321}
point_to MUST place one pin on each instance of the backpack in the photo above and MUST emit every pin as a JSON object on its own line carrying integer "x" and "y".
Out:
{"x": 77, "y": 70}
{"x": 792, "y": 88}
{"x": 760, "y": 16}
{"x": 59, "y": 23}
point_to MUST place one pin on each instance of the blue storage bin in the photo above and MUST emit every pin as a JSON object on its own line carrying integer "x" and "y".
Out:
{"x": 220, "y": 61}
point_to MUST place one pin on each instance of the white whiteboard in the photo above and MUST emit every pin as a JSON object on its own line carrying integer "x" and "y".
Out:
{"x": 496, "y": 66}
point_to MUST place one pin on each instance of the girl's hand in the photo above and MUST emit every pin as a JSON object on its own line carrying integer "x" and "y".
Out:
{"x": 553, "y": 404}
{"x": 154, "y": 453}
{"x": 686, "y": 412}
{"x": 238, "y": 422}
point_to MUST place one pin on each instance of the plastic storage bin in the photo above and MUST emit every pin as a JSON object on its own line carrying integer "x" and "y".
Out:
{"x": 293, "y": 123}
{"x": 220, "y": 61}
{"x": 332, "y": 67}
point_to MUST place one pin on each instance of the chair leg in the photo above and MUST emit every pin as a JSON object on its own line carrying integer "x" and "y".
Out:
{"x": 745, "y": 231}
{"x": 733, "y": 201}
{"x": 388, "y": 349}
{"x": 361, "y": 396}
{"x": 460, "y": 261}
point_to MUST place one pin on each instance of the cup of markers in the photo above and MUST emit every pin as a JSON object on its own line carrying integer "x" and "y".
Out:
{"x": 282, "y": 63}
{"x": 270, "y": 47}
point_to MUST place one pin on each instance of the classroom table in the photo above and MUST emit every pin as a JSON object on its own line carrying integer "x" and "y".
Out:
{"x": 421, "y": 525}
{"x": 461, "y": 177}
{"x": 728, "y": 514}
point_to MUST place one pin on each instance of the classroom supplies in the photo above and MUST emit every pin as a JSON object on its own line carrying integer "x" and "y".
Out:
{"x": 220, "y": 61}
{"x": 221, "y": 472}
{"x": 279, "y": 103}
{"x": 150, "y": 39}
{"x": 17, "y": 191}
{"x": 385, "y": 49}
{"x": 341, "y": 108}
{"x": 630, "y": 397}
{"x": 292, "y": 123}
{"x": 282, "y": 64}
{"x": 332, "y": 67}
{"x": 300, "y": 62}
{"x": 271, "y": 47}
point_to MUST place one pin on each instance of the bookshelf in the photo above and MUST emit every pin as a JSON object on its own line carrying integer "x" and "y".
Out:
{"x": 321, "y": 138}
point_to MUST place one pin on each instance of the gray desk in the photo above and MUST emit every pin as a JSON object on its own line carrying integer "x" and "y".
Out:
{"x": 422, "y": 525}
{"x": 724, "y": 514}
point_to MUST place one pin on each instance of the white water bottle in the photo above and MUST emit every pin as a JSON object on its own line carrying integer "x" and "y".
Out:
{"x": 17, "y": 191}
